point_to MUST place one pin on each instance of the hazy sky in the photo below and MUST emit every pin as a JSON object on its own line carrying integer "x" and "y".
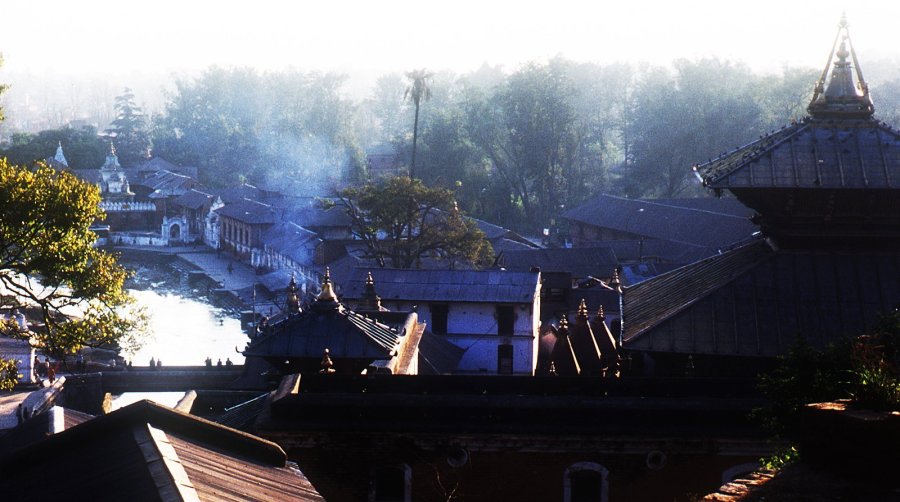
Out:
{"x": 121, "y": 36}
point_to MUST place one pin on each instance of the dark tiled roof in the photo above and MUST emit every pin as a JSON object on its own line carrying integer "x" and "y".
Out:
{"x": 813, "y": 154}
{"x": 89, "y": 175}
{"x": 504, "y": 244}
{"x": 167, "y": 183}
{"x": 437, "y": 356}
{"x": 582, "y": 262}
{"x": 220, "y": 476}
{"x": 663, "y": 221}
{"x": 658, "y": 250}
{"x": 275, "y": 281}
{"x": 193, "y": 199}
{"x": 723, "y": 205}
{"x": 343, "y": 332}
{"x": 248, "y": 211}
{"x": 287, "y": 239}
{"x": 480, "y": 286}
{"x": 312, "y": 217}
{"x": 237, "y": 194}
{"x": 754, "y": 301}
{"x": 650, "y": 302}
{"x": 117, "y": 457}
{"x": 585, "y": 345}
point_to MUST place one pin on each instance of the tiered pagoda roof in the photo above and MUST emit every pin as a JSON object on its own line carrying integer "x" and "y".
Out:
{"x": 826, "y": 192}
{"x": 828, "y": 178}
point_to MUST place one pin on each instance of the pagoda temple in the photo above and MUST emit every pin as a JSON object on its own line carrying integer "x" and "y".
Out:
{"x": 825, "y": 191}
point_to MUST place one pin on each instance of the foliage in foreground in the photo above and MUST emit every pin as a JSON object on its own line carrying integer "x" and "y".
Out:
{"x": 777, "y": 461}
{"x": 865, "y": 370}
{"x": 47, "y": 260}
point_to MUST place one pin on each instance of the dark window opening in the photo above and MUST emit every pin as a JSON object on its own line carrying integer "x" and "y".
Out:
{"x": 505, "y": 359}
{"x": 506, "y": 319}
{"x": 439, "y": 318}
{"x": 390, "y": 484}
{"x": 587, "y": 486}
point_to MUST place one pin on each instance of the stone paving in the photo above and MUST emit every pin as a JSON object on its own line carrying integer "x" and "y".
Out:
{"x": 240, "y": 276}
{"x": 8, "y": 405}
{"x": 214, "y": 264}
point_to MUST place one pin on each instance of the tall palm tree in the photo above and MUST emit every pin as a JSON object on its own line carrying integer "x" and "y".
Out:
{"x": 418, "y": 90}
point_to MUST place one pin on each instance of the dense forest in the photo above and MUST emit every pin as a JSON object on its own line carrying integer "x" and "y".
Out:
{"x": 517, "y": 148}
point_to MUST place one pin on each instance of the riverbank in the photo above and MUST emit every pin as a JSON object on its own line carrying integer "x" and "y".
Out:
{"x": 196, "y": 272}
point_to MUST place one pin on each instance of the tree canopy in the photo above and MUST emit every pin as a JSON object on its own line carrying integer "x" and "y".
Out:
{"x": 402, "y": 222}
{"x": 130, "y": 130}
{"x": 83, "y": 148}
{"x": 48, "y": 261}
{"x": 288, "y": 129}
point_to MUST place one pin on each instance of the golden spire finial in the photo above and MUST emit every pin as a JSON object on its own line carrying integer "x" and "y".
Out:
{"x": 582, "y": 310}
{"x": 293, "y": 300}
{"x": 327, "y": 364}
{"x": 600, "y": 314}
{"x": 327, "y": 294}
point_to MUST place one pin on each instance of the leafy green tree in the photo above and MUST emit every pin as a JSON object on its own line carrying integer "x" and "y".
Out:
{"x": 530, "y": 133}
{"x": 47, "y": 260}
{"x": 129, "y": 130}
{"x": 887, "y": 102}
{"x": 82, "y": 147}
{"x": 287, "y": 129}
{"x": 401, "y": 222}
{"x": 705, "y": 108}
{"x": 419, "y": 90}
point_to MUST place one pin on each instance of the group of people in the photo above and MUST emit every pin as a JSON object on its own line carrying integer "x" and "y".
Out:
{"x": 228, "y": 362}
{"x": 45, "y": 369}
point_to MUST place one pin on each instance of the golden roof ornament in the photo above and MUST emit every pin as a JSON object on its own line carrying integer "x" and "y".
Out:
{"x": 293, "y": 299}
{"x": 327, "y": 293}
{"x": 564, "y": 325}
{"x": 841, "y": 97}
{"x": 370, "y": 299}
{"x": 582, "y": 310}
{"x": 327, "y": 364}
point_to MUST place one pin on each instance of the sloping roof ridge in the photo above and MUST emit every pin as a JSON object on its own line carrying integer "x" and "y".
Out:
{"x": 655, "y": 202}
{"x": 751, "y": 151}
{"x": 383, "y": 335}
{"x": 172, "y": 479}
{"x": 165, "y": 418}
{"x": 753, "y": 253}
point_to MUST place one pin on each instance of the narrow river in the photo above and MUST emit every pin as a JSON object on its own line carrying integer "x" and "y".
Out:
{"x": 184, "y": 332}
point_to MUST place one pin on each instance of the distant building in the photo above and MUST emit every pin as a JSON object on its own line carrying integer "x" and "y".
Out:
{"x": 190, "y": 217}
{"x": 242, "y": 225}
{"x": 327, "y": 337}
{"x": 666, "y": 231}
{"x": 493, "y": 315}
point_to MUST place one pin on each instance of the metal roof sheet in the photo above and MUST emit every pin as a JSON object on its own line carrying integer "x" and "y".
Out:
{"x": 477, "y": 286}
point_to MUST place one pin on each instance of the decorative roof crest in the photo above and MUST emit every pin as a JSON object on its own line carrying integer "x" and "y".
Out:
{"x": 841, "y": 97}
